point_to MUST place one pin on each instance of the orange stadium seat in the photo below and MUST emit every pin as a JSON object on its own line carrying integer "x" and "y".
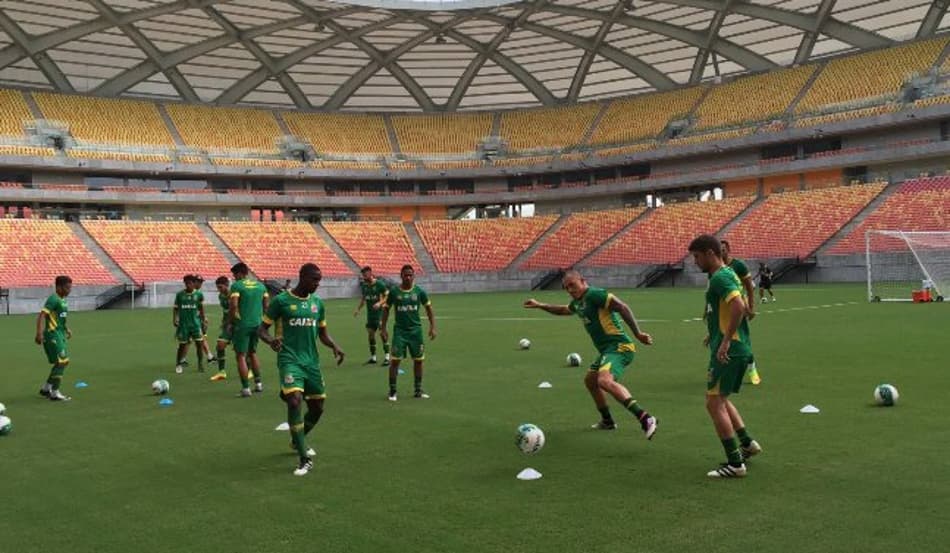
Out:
{"x": 480, "y": 245}
{"x": 663, "y": 234}
{"x": 918, "y": 205}
{"x": 644, "y": 116}
{"x": 106, "y": 120}
{"x": 751, "y": 99}
{"x": 217, "y": 128}
{"x": 277, "y": 250}
{"x": 578, "y": 236}
{"x": 341, "y": 133}
{"x": 159, "y": 251}
{"x": 384, "y": 246}
{"x": 795, "y": 224}
{"x": 441, "y": 134}
{"x": 547, "y": 128}
{"x": 34, "y": 251}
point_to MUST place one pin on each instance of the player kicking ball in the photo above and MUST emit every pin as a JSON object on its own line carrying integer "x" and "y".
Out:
{"x": 601, "y": 313}
{"x": 52, "y": 333}
{"x": 730, "y": 355}
{"x": 301, "y": 319}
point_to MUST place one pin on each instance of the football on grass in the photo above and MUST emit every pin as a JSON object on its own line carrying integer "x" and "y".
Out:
{"x": 160, "y": 387}
{"x": 574, "y": 360}
{"x": 886, "y": 395}
{"x": 530, "y": 439}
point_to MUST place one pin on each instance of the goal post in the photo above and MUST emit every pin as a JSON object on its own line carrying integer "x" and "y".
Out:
{"x": 900, "y": 263}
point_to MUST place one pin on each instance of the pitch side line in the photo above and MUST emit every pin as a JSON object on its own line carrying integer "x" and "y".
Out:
{"x": 790, "y": 309}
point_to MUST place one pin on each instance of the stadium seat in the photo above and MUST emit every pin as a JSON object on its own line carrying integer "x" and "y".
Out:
{"x": 219, "y": 128}
{"x": 158, "y": 251}
{"x": 644, "y": 116}
{"x": 341, "y": 133}
{"x": 550, "y": 128}
{"x": 441, "y": 134}
{"x": 918, "y": 205}
{"x": 580, "y": 234}
{"x": 13, "y": 113}
{"x": 480, "y": 245}
{"x": 26, "y": 151}
{"x": 795, "y": 224}
{"x": 34, "y": 251}
{"x": 751, "y": 99}
{"x": 663, "y": 234}
{"x": 106, "y": 120}
{"x": 277, "y": 250}
{"x": 382, "y": 245}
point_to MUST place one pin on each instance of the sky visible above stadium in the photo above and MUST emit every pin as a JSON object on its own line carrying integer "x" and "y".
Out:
{"x": 417, "y": 55}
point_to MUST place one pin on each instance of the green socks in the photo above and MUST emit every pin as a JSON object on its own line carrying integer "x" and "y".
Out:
{"x": 372, "y": 347}
{"x": 55, "y": 376}
{"x": 311, "y": 419}
{"x": 295, "y": 420}
{"x": 633, "y": 407}
{"x": 733, "y": 455}
{"x": 245, "y": 382}
{"x": 385, "y": 347}
{"x": 605, "y": 414}
{"x": 744, "y": 437}
{"x": 220, "y": 355}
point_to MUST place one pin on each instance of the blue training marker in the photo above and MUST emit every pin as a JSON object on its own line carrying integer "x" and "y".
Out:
{"x": 166, "y": 401}
{"x": 82, "y": 384}
{"x": 402, "y": 371}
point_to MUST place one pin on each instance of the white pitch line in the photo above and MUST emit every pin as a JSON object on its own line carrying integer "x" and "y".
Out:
{"x": 520, "y": 319}
{"x": 790, "y": 309}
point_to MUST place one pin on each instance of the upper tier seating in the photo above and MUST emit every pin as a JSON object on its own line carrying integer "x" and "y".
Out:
{"x": 441, "y": 134}
{"x": 337, "y": 133}
{"x": 277, "y": 250}
{"x": 645, "y": 116}
{"x": 33, "y": 252}
{"x": 225, "y": 128}
{"x": 480, "y": 245}
{"x": 918, "y": 205}
{"x": 752, "y": 99}
{"x": 104, "y": 120}
{"x": 13, "y": 113}
{"x": 795, "y": 224}
{"x": 580, "y": 234}
{"x": 547, "y": 128}
{"x": 26, "y": 151}
{"x": 663, "y": 234}
{"x": 870, "y": 75}
{"x": 159, "y": 251}
{"x": 384, "y": 246}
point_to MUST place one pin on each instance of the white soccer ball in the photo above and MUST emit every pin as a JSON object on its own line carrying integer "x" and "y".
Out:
{"x": 6, "y": 425}
{"x": 3, "y": 409}
{"x": 160, "y": 387}
{"x": 524, "y": 343}
{"x": 574, "y": 360}
{"x": 886, "y": 395}
{"x": 530, "y": 439}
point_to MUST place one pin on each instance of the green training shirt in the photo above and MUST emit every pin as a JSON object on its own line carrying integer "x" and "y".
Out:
{"x": 297, "y": 321}
{"x": 187, "y": 304}
{"x": 55, "y": 309}
{"x": 604, "y": 326}
{"x": 407, "y": 304}
{"x": 250, "y": 294}
{"x": 372, "y": 293}
{"x": 724, "y": 287}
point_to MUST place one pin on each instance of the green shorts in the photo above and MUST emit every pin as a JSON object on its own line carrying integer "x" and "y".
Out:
{"x": 54, "y": 344}
{"x": 185, "y": 334}
{"x": 305, "y": 379}
{"x": 726, "y": 378}
{"x": 224, "y": 335}
{"x": 615, "y": 361}
{"x": 244, "y": 339}
{"x": 411, "y": 341}
{"x": 372, "y": 321}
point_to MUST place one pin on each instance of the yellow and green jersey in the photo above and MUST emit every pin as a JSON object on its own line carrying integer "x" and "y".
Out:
{"x": 742, "y": 271}
{"x": 297, "y": 322}
{"x": 55, "y": 309}
{"x": 372, "y": 293}
{"x": 250, "y": 294}
{"x": 724, "y": 288}
{"x": 604, "y": 326}
{"x": 224, "y": 301}
{"x": 406, "y": 304}
{"x": 188, "y": 304}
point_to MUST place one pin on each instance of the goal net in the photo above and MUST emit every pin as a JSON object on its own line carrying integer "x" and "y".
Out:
{"x": 900, "y": 263}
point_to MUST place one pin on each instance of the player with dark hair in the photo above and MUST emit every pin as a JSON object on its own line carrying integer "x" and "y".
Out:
{"x": 300, "y": 318}
{"x": 223, "y": 284}
{"x": 205, "y": 348}
{"x": 407, "y": 299}
{"x": 247, "y": 303}
{"x": 765, "y": 276}
{"x": 52, "y": 333}
{"x": 372, "y": 294}
{"x": 601, "y": 313}
{"x": 748, "y": 295}
{"x": 188, "y": 318}
{"x": 730, "y": 355}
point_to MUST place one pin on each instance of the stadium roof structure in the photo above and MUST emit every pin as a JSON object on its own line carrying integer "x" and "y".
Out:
{"x": 422, "y": 55}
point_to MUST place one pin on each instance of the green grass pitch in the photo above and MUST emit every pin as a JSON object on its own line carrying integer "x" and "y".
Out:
{"x": 112, "y": 471}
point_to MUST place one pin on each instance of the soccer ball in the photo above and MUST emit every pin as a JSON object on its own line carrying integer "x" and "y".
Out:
{"x": 160, "y": 387}
{"x": 3, "y": 409}
{"x": 574, "y": 360}
{"x": 524, "y": 343}
{"x": 6, "y": 425}
{"x": 530, "y": 439}
{"x": 886, "y": 394}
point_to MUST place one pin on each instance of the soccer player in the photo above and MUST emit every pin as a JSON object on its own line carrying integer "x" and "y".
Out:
{"x": 188, "y": 318}
{"x": 731, "y": 353}
{"x": 205, "y": 349}
{"x": 765, "y": 282}
{"x": 224, "y": 336}
{"x": 247, "y": 303}
{"x": 601, "y": 313}
{"x": 301, "y": 319}
{"x": 52, "y": 333}
{"x": 748, "y": 295}
{"x": 372, "y": 294}
{"x": 407, "y": 299}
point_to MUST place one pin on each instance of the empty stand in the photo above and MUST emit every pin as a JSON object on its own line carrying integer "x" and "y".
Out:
{"x": 105, "y": 120}
{"x": 441, "y": 134}
{"x": 480, "y": 245}
{"x": 225, "y": 128}
{"x": 918, "y": 205}
{"x": 645, "y": 116}
{"x": 752, "y": 99}
{"x": 159, "y": 251}
{"x": 26, "y": 151}
{"x": 580, "y": 234}
{"x": 277, "y": 250}
{"x": 795, "y": 224}
{"x": 663, "y": 235}
{"x": 384, "y": 246}
{"x": 33, "y": 252}
{"x": 13, "y": 113}
{"x": 337, "y": 133}
{"x": 547, "y": 128}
